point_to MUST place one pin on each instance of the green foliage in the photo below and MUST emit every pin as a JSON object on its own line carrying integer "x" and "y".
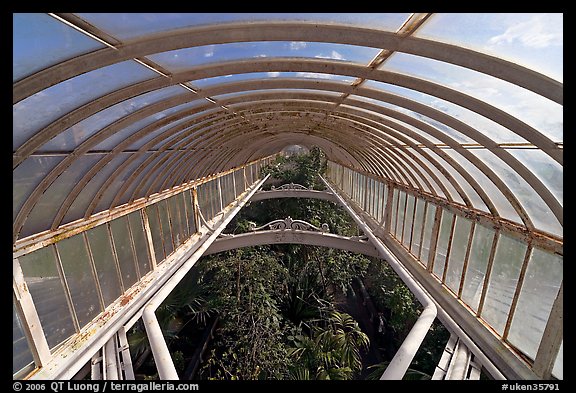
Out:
{"x": 300, "y": 169}
{"x": 247, "y": 283}
{"x": 411, "y": 374}
{"x": 330, "y": 352}
{"x": 389, "y": 293}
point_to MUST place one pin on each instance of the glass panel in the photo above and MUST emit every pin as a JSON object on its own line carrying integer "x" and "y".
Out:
{"x": 42, "y": 108}
{"x": 239, "y": 181}
{"x": 481, "y": 124}
{"x": 466, "y": 187}
{"x": 130, "y": 192}
{"x": 140, "y": 124}
{"x": 536, "y": 111}
{"x": 558, "y": 370}
{"x": 442, "y": 245}
{"x": 458, "y": 253}
{"x": 503, "y": 280}
{"x": 21, "y": 355}
{"x": 548, "y": 171}
{"x": 440, "y": 176}
{"x": 183, "y": 216}
{"x": 400, "y": 218}
{"x": 427, "y": 240}
{"x": 79, "y": 277}
{"x": 154, "y": 223}
{"x": 85, "y": 197}
{"x": 124, "y": 252}
{"x": 166, "y": 230}
{"x": 45, "y": 210}
{"x": 132, "y": 25}
{"x": 177, "y": 230}
{"x": 27, "y": 176}
{"x": 539, "y": 290}
{"x": 477, "y": 263}
{"x": 72, "y": 137}
{"x": 101, "y": 249}
{"x": 418, "y": 226}
{"x": 183, "y": 59}
{"x": 215, "y": 193}
{"x": 113, "y": 188}
{"x": 532, "y": 40}
{"x": 500, "y": 202}
{"x": 539, "y": 212}
{"x": 394, "y": 211}
{"x": 190, "y": 211}
{"x": 140, "y": 243}
{"x": 44, "y": 284}
{"x": 203, "y": 201}
{"x": 408, "y": 222}
{"x": 206, "y": 82}
{"x": 39, "y": 41}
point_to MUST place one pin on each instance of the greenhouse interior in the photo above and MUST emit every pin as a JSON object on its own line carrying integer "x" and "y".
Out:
{"x": 139, "y": 138}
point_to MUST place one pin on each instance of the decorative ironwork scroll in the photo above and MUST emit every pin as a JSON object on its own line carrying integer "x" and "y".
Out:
{"x": 289, "y": 186}
{"x": 289, "y": 224}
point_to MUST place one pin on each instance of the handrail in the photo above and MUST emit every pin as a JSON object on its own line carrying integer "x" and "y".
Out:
{"x": 162, "y": 358}
{"x": 445, "y": 318}
{"x": 403, "y": 357}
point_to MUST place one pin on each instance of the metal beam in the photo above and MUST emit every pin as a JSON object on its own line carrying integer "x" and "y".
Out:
{"x": 290, "y": 31}
{"x": 68, "y": 360}
{"x": 272, "y": 194}
{"x": 292, "y": 237}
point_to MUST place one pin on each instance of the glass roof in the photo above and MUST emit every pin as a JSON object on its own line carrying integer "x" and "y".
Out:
{"x": 109, "y": 91}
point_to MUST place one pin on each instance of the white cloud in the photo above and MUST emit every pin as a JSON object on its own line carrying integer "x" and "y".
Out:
{"x": 314, "y": 75}
{"x": 295, "y": 45}
{"x": 209, "y": 51}
{"x": 273, "y": 74}
{"x": 337, "y": 56}
{"x": 534, "y": 33}
{"x": 333, "y": 55}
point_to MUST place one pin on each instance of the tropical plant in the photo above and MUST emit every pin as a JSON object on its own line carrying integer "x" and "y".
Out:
{"x": 331, "y": 352}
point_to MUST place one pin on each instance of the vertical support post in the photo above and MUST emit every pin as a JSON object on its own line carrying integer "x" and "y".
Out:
{"x": 29, "y": 316}
{"x": 388, "y": 209}
{"x": 124, "y": 350}
{"x": 148, "y": 233}
{"x": 96, "y": 366}
{"x": 551, "y": 339}
{"x": 111, "y": 361}
{"x": 434, "y": 239}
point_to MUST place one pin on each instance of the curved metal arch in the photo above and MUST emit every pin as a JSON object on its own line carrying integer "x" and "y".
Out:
{"x": 352, "y": 69}
{"x": 290, "y": 31}
{"x": 541, "y": 189}
{"x": 386, "y": 130}
{"x": 83, "y": 112}
{"x": 309, "y": 194}
{"x": 229, "y": 140}
{"x": 448, "y": 140}
{"x": 514, "y": 164}
{"x": 386, "y": 148}
{"x": 278, "y": 236}
{"x": 401, "y": 130}
{"x": 117, "y": 150}
{"x": 289, "y": 138}
{"x": 180, "y": 143}
{"x": 421, "y": 164}
{"x": 509, "y": 195}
